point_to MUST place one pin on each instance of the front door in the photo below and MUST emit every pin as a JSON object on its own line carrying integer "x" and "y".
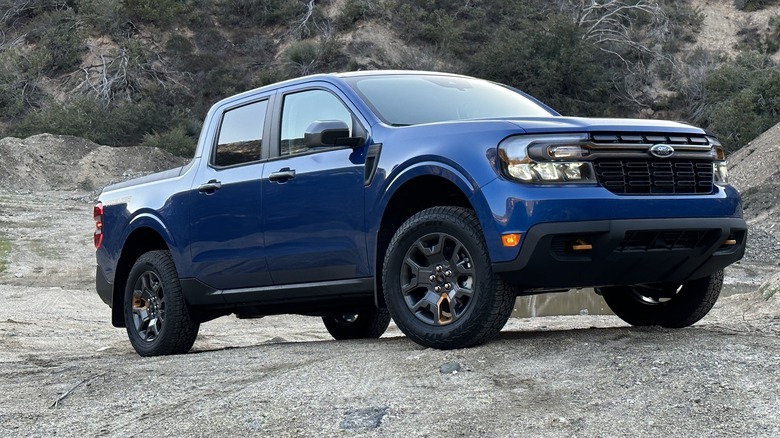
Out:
{"x": 314, "y": 198}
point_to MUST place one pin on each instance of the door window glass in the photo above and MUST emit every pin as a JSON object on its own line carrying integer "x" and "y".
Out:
{"x": 301, "y": 109}
{"x": 241, "y": 135}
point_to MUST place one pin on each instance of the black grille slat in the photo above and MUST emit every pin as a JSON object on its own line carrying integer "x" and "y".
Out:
{"x": 636, "y": 176}
{"x": 672, "y": 240}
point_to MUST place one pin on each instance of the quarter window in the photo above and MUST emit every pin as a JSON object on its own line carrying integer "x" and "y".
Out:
{"x": 301, "y": 109}
{"x": 241, "y": 135}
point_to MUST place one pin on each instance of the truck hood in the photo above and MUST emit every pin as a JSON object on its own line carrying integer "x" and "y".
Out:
{"x": 542, "y": 125}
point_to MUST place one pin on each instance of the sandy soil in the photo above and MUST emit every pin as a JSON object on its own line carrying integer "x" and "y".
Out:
{"x": 67, "y": 372}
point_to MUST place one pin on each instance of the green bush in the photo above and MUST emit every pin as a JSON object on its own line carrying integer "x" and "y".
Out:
{"x": 121, "y": 124}
{"x": 753, "y": 5}
{"x": 741, "y": 100}
{"x": 18, "y": 13}
{"x": 219, "y": 83}
{"x": 175, "y": 141}
{"x": 772, "y": 37}
{"x": 262, "y": 12}
{"x": 302, "y": 57}
{"x": 354, "y": 11}
{"x": 18, "y": 89}
{"x": 105, "y": 16}
{"x": 553, "y": 64}
{"x": 5, "y": 250}
{"x": 161, "y": 12}
{"x": 60, "y": 41}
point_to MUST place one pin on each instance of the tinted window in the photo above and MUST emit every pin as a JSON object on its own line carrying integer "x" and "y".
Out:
{"x": 301, "y": 109}
{"x": 241, "y": 135}
{"x": 414, "y": 99}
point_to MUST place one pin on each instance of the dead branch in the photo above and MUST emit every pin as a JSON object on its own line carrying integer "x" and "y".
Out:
{"x": 610, "y": 23}
{"x": 118, "y": 74}
{"x": 299, "y": 25}
{"x": 73, "y": 388}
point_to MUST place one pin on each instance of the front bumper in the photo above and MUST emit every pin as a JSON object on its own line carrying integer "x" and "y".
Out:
{"x": 624, "y": 252}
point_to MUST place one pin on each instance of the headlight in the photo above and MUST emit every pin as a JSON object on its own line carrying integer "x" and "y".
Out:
{"x": 546, "y": 159}
{"x": 719, "y": 169}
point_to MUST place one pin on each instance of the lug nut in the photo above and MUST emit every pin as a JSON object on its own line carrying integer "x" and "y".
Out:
{"x": 439, "y": 268}
{"x": 432, "y": 278}
{"x": 448, "y": 273}
{"x": 448, "y": 286}
{"x": 437, "y": 288}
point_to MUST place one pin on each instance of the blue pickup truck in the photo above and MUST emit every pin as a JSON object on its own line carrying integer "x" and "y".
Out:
{"x": 431, "y": 198}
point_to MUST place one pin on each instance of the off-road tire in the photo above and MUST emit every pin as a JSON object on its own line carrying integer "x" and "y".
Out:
{"x": 690, "y": 303}
{"x": 458, "y": 320}
{"x": 157, "y": 318}
{"x": 368, "y": 323}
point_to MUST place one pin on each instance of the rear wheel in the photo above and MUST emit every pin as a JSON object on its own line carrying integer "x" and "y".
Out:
{"x": 439, "y": 284}
{"x": 157, "y": 318}
{"x": 368, "y": 323}
{"x": 672, "y": 305}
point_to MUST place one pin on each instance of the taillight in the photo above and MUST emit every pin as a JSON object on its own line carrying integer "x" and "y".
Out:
{"x": 97, "y": 213}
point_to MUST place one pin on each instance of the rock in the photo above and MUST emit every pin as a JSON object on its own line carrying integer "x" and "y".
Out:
{"x": 366, "y": 418}
{"x": 770, "y": 288}
{"x": 449, "y": 368}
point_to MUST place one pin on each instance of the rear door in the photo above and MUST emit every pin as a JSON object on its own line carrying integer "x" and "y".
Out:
{"x": 314, "y": 217}
{"x": 226, "y": 216}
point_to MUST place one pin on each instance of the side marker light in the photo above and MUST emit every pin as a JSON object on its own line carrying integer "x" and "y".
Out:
{"x": 510, "y": 240}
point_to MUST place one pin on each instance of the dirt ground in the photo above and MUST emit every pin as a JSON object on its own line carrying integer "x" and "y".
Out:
{"x": 66, "y": 372}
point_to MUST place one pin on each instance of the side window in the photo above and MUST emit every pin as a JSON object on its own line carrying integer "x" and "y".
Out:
{"x": 301, "y": 109}
{"x": 241, "y": 135}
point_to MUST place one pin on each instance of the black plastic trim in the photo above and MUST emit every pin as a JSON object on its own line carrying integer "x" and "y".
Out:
{"x": 541, "y": 265}
{"x": 372, "y": 161}
{"x": 198, "y": 293}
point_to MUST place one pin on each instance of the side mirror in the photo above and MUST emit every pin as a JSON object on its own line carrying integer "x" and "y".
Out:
{"x": 329, "y": 133}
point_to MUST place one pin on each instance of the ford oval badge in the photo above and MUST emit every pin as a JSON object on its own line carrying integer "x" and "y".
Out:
{"x": 661, "y": 151}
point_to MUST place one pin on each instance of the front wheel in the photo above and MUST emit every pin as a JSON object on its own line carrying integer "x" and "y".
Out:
{"x": 157, "y": 318}
{"x": 439, "y": 284}
{"x": 670, "y": 305}
{"x": 367, "y": 323}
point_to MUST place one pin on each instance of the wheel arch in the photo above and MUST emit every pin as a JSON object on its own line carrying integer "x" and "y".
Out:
{"x": 414, "y": 194}
{"x": 140, "y": 241}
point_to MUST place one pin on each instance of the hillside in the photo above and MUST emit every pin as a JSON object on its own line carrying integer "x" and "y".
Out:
{"x": 146, "y": 71}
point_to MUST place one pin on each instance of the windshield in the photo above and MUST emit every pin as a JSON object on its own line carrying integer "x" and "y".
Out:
{"x": 402, "y": 100}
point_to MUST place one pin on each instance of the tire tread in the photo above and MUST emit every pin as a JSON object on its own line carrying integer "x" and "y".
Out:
{"x": 500, "y": 307}
{"x": 181, "y": 329}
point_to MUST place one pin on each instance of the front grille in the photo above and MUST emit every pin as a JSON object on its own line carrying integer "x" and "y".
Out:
{"x": 669, "y": 240}
{"x": 624, "y": 165}
{"x": 635, "y": 176}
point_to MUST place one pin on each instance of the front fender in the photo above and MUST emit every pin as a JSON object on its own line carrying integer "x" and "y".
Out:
{"x": 448, "y": 171}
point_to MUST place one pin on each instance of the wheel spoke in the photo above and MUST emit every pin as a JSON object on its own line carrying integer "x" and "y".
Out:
{"x": 427, "y": 306}
{"x": 462, "y": 292}
{"x": 434, "y": 245}
{"x": 154, "y": 328}
{"x": 461, "y": 262}
{"x": 418, "y": 276}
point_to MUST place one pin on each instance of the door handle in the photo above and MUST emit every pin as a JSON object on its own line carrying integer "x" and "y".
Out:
{"x": 283, "y": 175}
{"x": 210, "y": 187}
